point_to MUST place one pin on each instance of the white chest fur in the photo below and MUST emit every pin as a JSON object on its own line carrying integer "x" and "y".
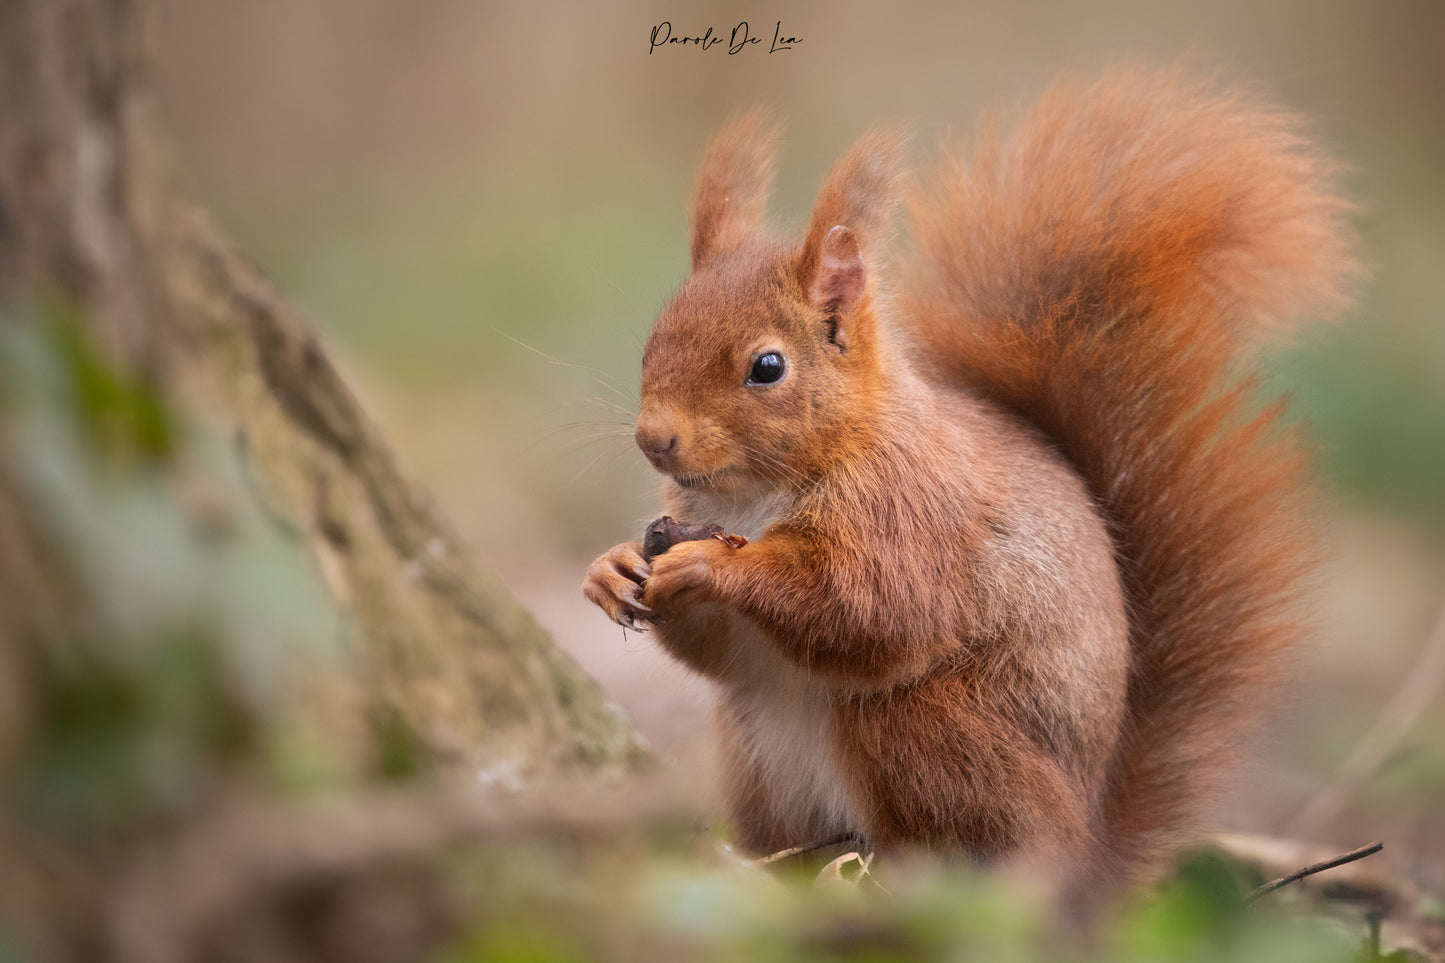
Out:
{"x": 745, "y": 515}
{"x": 785, "y": 725}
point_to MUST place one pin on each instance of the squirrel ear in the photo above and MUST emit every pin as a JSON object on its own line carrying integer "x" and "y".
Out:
{"x": 840, "y": 277}
{"x": 732, "y": 186}
{"x": 852, "y": 213}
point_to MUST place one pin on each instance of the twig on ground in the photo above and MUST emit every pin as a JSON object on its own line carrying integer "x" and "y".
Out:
{"x": 806, "y": 848}
{"x": 1313, "y": 868}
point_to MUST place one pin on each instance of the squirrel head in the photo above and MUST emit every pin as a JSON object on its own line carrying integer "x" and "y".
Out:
{"x": 768, "y": 364}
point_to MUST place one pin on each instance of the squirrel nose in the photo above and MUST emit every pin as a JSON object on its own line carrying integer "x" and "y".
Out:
{"x": 657, "y": 442}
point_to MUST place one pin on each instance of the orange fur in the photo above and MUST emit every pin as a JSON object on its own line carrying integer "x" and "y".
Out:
{"x": 1023, "y": 551}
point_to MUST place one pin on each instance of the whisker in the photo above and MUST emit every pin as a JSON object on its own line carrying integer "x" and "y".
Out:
{"x": 607, "y": 468}
{"x": 584, "y": 444}
{"x": 617, "y": 457}
{"x": 588, "y": 432}
{"x": 584, "y": 469}
{"x": 628, "y": 413}
{"x": 598, "y": 374}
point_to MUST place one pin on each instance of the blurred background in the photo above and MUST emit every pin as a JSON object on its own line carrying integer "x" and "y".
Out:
{"x": 483, "y": 206}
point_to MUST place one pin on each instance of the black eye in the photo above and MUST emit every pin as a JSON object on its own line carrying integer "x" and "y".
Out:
{"x": 767, "y": 368}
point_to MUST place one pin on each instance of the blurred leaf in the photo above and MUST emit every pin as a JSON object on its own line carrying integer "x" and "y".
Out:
{"x": 518, "y": 942}
{"x": 1377, "y": 411}
{"x": 122, "y": 736}
{"x": 397, "y": 750}
{"x": 198, "y": 613}
{"x": 124, "y": 416}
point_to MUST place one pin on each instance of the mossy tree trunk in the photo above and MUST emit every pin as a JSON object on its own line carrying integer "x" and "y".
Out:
{"x": 87, "y": 215}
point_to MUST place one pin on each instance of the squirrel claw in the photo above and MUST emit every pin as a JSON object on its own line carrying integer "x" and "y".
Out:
{"x": 614, "y": 584}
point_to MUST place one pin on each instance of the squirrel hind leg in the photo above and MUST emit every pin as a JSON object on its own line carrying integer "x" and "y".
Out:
{"x": 969, "y": 783}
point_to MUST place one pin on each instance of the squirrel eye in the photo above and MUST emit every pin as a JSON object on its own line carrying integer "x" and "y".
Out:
{"x": 767, "y": 369}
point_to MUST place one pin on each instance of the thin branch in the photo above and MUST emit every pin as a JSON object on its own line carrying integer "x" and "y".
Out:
{"x": 781, "y": 855}
{"x": 1313, "y": 868}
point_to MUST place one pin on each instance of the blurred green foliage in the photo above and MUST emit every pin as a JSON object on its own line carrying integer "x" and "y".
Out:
{"x": 479, "y": 286}
{"x": 193, "y": 610}
{"x": 121, "y": 740}
{"x": 654, "y": 906}
{"x": 1376, "y": 408}
{"x": 122, "y": 416}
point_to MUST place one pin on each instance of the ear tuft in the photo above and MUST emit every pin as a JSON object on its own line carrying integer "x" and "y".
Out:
{"x": 731, "y": 197}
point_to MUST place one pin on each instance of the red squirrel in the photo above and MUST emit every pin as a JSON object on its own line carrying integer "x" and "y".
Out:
{"x": 1024, "y": 551}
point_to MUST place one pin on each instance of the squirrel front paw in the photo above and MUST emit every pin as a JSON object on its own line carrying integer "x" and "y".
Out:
{"x": 614, "y": 584}
{"x": 684, "y": 576}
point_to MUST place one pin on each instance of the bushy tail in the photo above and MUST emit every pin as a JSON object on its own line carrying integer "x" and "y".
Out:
{"x": 1105, "y": 270}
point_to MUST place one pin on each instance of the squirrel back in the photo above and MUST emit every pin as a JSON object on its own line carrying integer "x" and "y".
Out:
{"x": 1107, "y": 271}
